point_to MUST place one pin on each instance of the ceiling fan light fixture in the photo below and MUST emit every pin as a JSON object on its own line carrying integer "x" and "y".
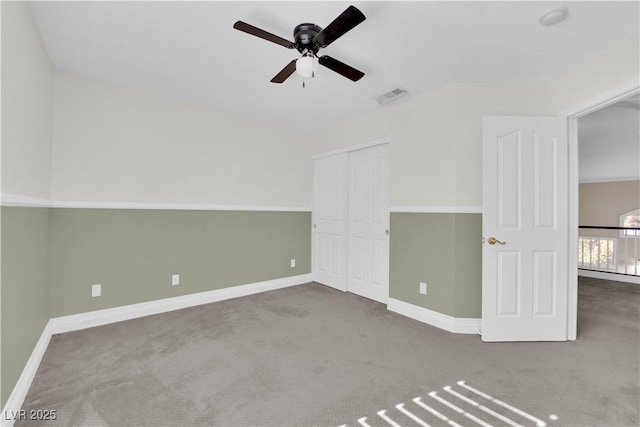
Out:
{"x": 304, "y": 66}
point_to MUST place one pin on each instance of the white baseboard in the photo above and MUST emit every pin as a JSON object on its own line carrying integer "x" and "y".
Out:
{"x": 76, "y": 322}
{"x": 14, "y": 403}
{"x": 609, "y": 276}
{"x": 117, "y": 314}
{"x": 456, "y": 325}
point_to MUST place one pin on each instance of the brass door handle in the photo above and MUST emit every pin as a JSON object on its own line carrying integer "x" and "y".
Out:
{"x": 492, "y": 241}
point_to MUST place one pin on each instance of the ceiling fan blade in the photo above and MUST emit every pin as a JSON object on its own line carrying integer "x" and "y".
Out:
{"x": 340, "y": 68}
{"x": 285, "y": 72}
{"x": 341, "y": 25}
{"x": 255, "y": 31}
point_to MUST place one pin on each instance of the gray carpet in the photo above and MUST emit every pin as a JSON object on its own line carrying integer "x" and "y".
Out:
{"x": 310, "y": 355}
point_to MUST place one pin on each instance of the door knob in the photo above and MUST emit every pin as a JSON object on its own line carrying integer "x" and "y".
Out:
{"x": 492, "y": 241}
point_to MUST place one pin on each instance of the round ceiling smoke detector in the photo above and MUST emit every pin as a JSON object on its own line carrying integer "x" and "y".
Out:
{"x": 554, "y": 16}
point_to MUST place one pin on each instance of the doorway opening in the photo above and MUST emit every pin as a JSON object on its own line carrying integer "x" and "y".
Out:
{"x": 589, "y": 124}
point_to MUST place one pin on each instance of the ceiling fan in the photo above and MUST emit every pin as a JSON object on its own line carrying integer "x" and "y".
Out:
{"x": 309, "y": 39}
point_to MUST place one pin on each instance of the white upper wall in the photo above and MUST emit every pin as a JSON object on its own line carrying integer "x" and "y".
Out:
{"x": 123, "y": 145}
{"x": 475, "y": 100}
{"x": 422, "y": 130}
{"x": 436, "y": 139}
{"x": 609, "y": 144}
{"x": 71, "y": 139}
{"x": 26, "y": 106}
{"x": 616, "y": 68}
{"x": 116, "y": 144}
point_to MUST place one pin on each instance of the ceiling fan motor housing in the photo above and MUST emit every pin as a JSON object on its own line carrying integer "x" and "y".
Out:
{"x": 304, "y": 34}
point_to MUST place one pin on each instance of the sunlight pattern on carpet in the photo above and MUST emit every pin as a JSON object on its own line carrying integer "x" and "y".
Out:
{"x": 460, "y": 405}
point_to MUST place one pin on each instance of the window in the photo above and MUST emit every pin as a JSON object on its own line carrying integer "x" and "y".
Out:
{"x": 630, "y": 219}
{"x": 597, "y": 253}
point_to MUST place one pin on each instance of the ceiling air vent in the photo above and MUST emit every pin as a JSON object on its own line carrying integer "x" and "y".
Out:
{"x": 392, "y": 95}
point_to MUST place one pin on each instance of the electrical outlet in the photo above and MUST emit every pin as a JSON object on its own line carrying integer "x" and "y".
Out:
{"x": 175, "y": 279}
{"x": 423, "y": 288}
{"x": 96, "y": 290}
{"x": 293, "y": 263}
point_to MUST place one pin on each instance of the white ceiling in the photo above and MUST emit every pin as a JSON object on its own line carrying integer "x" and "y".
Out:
{"x": 189, "y": 50}
{"x": 609, "y": 143}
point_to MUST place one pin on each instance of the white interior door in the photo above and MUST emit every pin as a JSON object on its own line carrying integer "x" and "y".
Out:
{"x": 330, "y": 210}
{"x": 369, "y": 223}
{"x": 525, "y": 199}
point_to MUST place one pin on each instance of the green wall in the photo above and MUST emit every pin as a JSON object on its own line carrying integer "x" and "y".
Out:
{"x": 468, "y": 265}
{"x": 25, "y": 270}
{"x": 51, "y": 257}
{"x": 444, "y": 250}
{"x": 133, "y": 253}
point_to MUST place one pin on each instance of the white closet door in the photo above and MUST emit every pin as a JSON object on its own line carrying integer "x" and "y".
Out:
{"x": 330, "y": 210}
{"x": 369, "y": 223}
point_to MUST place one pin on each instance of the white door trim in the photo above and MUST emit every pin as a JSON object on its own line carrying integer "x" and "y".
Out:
{"x": 355, "y": 147}
{"x": 609, "y": 97}
{"x": 603, "y": 100}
